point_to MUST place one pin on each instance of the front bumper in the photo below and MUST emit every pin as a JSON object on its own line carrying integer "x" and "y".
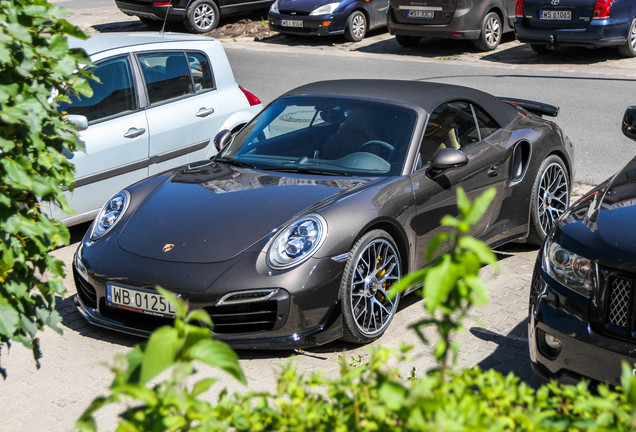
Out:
{"x": 304, "y": 312}
{"x": 151, "y": 12}
{"x": 599, "y": 33}
{"x": 559, "y": 312}
{"x": 311, "y": 25}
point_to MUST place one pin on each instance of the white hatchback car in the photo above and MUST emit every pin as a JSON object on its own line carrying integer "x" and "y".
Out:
{"x": 161, "y": 100}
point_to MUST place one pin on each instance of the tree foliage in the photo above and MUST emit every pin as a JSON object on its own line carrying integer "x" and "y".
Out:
{"x": 36, "y": 70}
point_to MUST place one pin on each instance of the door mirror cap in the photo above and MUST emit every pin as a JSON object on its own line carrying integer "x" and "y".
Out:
{"x": 79, "y": 121}
{"x": 222, "y": 139}
{"x": 629, "y": 123}
{"x": 445, "y": 160}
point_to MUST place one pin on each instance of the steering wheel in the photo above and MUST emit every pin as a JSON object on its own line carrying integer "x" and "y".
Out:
{"x": 379, "y": 143}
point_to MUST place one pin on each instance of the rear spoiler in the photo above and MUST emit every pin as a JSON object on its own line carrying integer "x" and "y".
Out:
{"x": 534, "y": 107}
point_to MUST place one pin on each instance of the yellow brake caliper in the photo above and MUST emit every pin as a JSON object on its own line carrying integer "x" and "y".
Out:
{"x": 381, "y": 273}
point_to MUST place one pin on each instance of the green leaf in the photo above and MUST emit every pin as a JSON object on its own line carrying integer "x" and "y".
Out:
{"x": 9, "y": 320}
{"x": 479, "y": 206}
{"x": 160, "y": 353}
{"x": 479, "y": 248}
{"x": 218, "y": 354}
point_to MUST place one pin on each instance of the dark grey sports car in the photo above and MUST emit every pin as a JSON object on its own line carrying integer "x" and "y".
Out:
{"x": 292, "y": 235}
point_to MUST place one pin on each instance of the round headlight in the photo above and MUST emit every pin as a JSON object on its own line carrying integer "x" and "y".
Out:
{"x": 571, "y": 270}
{"x": 110, "y": 214}
{"x": 297, "y": 242}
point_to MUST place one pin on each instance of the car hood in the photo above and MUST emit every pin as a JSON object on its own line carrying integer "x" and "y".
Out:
{"x": 302, "y": 6}
{"x": 602, "y": 224}
{"x": 213, "y": 213}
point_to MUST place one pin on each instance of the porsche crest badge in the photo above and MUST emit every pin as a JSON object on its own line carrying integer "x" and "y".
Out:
{"x": 168, "y": 247}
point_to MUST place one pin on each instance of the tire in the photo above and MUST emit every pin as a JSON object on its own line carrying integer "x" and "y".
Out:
{"x": 491, "y": 31}
{"x": 356, "y": 27}
{"x": 201, "y": 16}
{"x": 629, "y": 49}
{"x": 374, "y": 264}
{"x": 539, "y": 48}
{"x": 550, "y": 198}
{"x": 407, "y": 41}
{"x": 152, "y": 23}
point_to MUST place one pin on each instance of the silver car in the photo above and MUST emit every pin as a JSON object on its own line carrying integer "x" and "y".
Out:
{"x": 159, "y": 102}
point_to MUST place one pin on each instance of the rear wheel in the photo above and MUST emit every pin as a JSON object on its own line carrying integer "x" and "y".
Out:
{"x": 407, "y": 41}
{"x": 356, "y": 27}
{"x": 491, "y": 31}
{"x": 201, "y": 16}
{"x": 550, "y": 198}
{"x": 629, "y": 49}
{"x": 373, "y": 266}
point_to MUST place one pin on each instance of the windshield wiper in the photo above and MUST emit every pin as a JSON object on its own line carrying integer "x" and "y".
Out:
{"x": 309, "y": 171}
{"x": 233, "y": 162}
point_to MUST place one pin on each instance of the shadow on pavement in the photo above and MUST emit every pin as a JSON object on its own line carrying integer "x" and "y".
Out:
{"x": 511, "y": 354}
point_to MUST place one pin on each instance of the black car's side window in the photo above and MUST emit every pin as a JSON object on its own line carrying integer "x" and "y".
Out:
{"x": 166, "y": 74}
{"x": 113, "y": 94}
{"x": 455, "y": 124}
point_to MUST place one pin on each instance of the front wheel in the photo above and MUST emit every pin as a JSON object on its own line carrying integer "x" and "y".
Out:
{"x": 629, "y": 49}
{"x": 356, "y": 27}
{"x": 373, "y": 266}
{"x": 491, "y": 31}
{"x": 550, "y": 198}
{"x": 201, "y": 16}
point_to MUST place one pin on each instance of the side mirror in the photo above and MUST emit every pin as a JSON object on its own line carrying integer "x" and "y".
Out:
{"x": 79, "y": 121}
{"x": 629, "y": 123}
{"x": 222, "y": 139}
{"x": 444, "y": 160}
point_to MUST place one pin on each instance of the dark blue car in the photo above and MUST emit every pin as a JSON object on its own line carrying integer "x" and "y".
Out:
{"x": 546, "y": 24}
{"x": 353, "y": 18}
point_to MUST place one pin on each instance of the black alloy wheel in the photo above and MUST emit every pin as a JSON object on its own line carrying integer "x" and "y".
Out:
{"x": 201, "y": 16}
{"x": 356, "y": 27}
{"x": 491, "y": 32}
{"x": 629, "y": 49}
{"x": 373, "y": 266}
{"x": 550, "y": 198}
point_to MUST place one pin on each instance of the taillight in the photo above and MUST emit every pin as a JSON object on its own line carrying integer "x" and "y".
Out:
{"x": 519, "y": 9}
{"x": 602, "y": 8}
{"x": 253, "y": 100}
{"x": 161, "y": 3}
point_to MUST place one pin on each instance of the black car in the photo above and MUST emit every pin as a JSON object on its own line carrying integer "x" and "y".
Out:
{"x": 483, "y": 22}
{"x": 198, "y": 16}
{"x": 582, "y": 320}
{"x": 547, "y": 24}
{"x": 293, "y": 234}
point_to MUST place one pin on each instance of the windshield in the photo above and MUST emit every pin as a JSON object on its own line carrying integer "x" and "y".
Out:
{"x": 322, "y": 135}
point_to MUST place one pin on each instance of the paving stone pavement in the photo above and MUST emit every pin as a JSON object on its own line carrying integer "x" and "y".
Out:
{"x": 73, "y": 370}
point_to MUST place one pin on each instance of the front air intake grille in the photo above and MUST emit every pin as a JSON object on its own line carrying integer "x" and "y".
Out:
{"x": 244, "y": 317}
{"x": 620, "y": 300}
{"x": 85, "y": 291}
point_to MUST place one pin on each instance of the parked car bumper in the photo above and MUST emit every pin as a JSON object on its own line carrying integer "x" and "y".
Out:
{"x": 598, "y": 34}
{"x": 151, "y": 12}
{"x": 311, "y": 25}
{"x": 458, "y": 28}
{"x": 584, "y": 354}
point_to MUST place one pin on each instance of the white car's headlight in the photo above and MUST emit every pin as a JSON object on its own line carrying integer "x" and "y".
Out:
{"x": 110, "y": 214}
{"x": 572, "y": 270}
{"x": 274, "y": 7}
{"x": 297, "y": 242}
{"x": 325, "y": 9}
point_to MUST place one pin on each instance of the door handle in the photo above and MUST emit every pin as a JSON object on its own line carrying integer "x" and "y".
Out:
{"x": 204, "y": 112}
{"x": 134, "y": 132}
{"x": 493, "y": 171}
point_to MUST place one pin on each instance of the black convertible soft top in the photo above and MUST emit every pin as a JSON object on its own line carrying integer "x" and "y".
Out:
{"x": 426, "y": 95}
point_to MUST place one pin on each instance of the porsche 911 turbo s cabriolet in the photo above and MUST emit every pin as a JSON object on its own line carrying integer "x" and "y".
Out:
{"x": 292, "y": 235}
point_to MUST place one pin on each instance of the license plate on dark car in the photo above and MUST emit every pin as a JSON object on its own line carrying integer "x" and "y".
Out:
{"x": 421, "y": 14}
{"x": 555, "y": 15}
{"x": 291, "y": 23}
{"x": 136, "y": 300}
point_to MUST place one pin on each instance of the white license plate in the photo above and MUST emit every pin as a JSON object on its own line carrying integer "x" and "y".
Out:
{"x": 555, "y": 15}
{"x": 421, "y": 14}
{"x": 291, "y": 23}
{"x": 148, "y": 302}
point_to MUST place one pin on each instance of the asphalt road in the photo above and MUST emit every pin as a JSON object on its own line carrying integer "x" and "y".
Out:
{"x": 592, "y": 89}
